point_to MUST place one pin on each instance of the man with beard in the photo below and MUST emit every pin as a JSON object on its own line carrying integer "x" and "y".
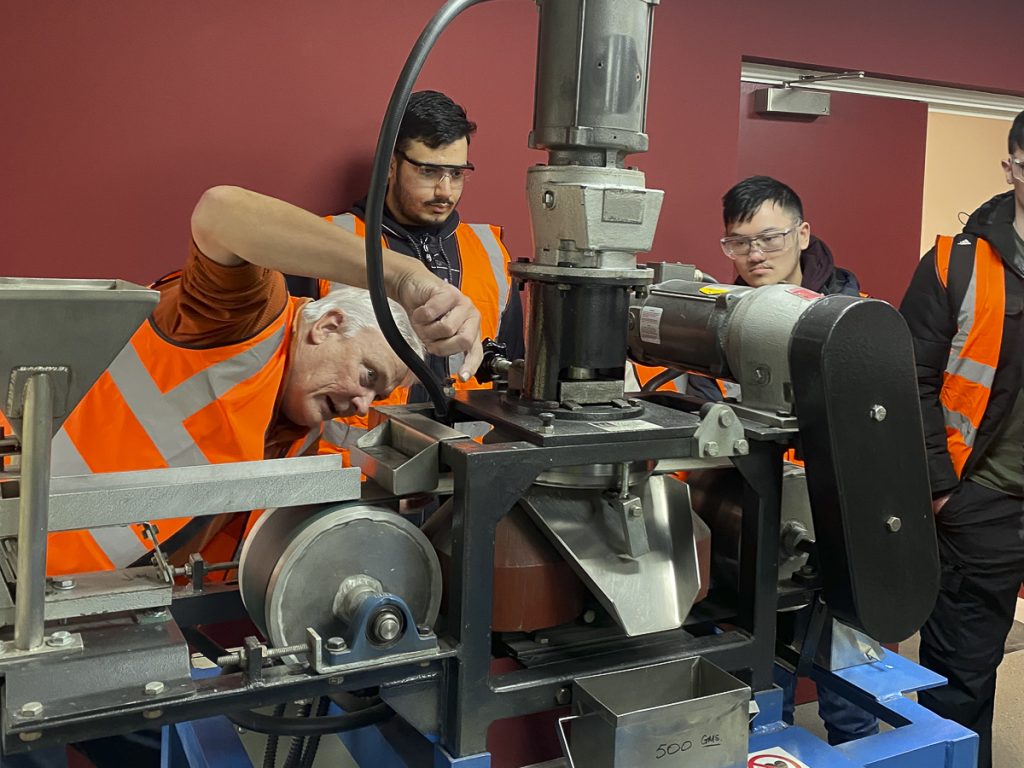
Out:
{"x": 428, "y": 173}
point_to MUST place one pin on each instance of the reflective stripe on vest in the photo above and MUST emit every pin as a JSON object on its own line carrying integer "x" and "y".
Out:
{"x": 974, "y": 349}
{"x": 164, "y": 405}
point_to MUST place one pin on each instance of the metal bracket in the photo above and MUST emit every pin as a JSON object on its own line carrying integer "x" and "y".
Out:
{"x": 57, "y": 642}
{"x": 629, "y": 512}
{"x": 358, "y": 646}
{"x": 60, "y": 378}
{"x": 720, "y": 433}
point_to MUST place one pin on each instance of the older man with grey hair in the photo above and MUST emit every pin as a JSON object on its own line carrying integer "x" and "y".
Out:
{"x": 229, "y": 367}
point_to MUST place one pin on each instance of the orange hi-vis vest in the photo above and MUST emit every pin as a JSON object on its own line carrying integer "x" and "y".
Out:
{"x": 974, "y": 350}
{"x": 485, "y": 280}
{"x": 159, "y": 405}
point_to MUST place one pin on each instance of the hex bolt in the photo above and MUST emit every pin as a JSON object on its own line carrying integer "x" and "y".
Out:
{"x": 154, "y": 688}
{"x": 336, "y": 644}
{"x": 726, "y": 418}
{"x": 563, "y": 697}
{"x": 893, "y": 524}
{"x": 589, "y": 616}
{"x": 62, "y": 583}
{"x": 878, "y": 412}
{"x": 549, "y": 199}
{"x": 30, "y": 736}
{"x": 741, "y": 447}
{"x": 711, "y": 448}
{"x": 30, "y": 709}
{"x": 762, "y": 375}
{"x": 59, "y": 639}
{"x": 547, "y": 420}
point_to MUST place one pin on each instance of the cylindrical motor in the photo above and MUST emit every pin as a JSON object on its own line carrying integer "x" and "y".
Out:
{"x": 727, "y": 331}
{"x": 592, "y": 64}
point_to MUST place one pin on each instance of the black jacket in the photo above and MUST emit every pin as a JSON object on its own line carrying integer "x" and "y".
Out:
{"x": 820, "y": 273}
{"x": 438, "y": 249}
{"x": 931, "y": 314}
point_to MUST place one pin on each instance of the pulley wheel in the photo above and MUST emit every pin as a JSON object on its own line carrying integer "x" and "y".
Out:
{"x": 295, "y": 558}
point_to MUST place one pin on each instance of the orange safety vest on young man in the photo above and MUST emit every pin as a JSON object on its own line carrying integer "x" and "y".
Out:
{"x": 158, "y": 405}
{"x": 974, "y": 350}
{"x": 485, "y": 280}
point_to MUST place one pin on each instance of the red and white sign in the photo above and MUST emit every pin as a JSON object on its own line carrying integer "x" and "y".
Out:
{"x": 774, "y": 757}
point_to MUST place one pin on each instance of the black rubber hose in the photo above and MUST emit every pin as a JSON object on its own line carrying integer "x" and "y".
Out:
{"x": 270, "y": 753}
{"x": 375, "y": 201}
{"x": 309, "y": 755}
{"x": 305, "y": 726}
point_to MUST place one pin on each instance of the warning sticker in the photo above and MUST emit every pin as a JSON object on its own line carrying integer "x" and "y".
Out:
{"x": 626, "y": 425}
{"x": 650, "y": 325}
{"x": 804, "y": 293}
{"x": 774, "y": 757}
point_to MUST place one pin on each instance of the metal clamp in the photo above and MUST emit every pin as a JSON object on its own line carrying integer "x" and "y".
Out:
{"x": 720, "y": 433}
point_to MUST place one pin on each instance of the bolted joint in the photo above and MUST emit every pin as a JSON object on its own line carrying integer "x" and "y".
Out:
{"x": 30, "y": 709}
{"x": 336, "y": 644}
{"x": 60, "y": 639}
{"x": 893, "y": 524}
{"x": 878, "y": 413}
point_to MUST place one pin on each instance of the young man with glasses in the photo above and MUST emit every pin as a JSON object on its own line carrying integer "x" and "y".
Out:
{"x": 965, "y": 310}
{"x": 429, "y": 171}
{"x": 769, "y": 243}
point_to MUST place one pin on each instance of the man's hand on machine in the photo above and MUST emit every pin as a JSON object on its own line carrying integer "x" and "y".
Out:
{"x": 442, "y": 316}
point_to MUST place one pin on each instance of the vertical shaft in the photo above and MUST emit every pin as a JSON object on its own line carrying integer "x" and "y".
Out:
{"x": 33, "y": 512}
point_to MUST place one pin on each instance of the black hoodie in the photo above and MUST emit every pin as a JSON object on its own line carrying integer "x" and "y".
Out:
{"x": 820, "y": 273}
{"x": 932, "y": 318}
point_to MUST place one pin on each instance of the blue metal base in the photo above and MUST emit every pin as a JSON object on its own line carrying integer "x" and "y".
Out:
{"x": 919, "y": 738}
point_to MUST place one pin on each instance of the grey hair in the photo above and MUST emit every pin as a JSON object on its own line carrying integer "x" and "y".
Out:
{"x": 358, "y": 309}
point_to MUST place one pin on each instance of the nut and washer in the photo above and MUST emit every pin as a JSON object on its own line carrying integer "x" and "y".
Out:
{"x": 30, "y": 709}
{"x": 62, "y": 583}
{"x": 154, "y": 688}
{"x": 60, "y": 639}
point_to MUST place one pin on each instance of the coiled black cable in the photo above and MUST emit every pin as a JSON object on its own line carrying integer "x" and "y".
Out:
{"x": 304, "y": 726}
{"x": 375, "y": 201}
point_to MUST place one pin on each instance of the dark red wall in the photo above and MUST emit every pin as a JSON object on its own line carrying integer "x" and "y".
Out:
{"x": 859, "y": 172}
{"x": 116, "y": 115}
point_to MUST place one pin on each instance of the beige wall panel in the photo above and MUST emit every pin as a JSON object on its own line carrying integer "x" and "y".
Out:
{"x": 961, "y": 170}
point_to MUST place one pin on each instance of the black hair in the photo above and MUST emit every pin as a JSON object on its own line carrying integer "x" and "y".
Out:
{"x": 1016, "y": 137}
{"x": 741, "y": 203}
{"x": 434, "y": 119}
